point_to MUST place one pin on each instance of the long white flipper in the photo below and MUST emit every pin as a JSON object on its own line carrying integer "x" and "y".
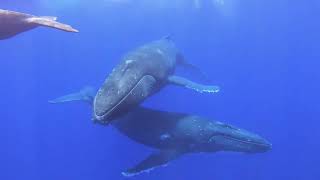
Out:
{"x": 86, "y": 94}
{"x": 180, "y": 81}
{"x": 154, "y": 160}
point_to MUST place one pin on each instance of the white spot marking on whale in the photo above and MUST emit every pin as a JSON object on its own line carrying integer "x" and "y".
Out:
{"x": 160, "y": 52}
{"x": 165, "y": 136}
{"x": 129, "y": 61}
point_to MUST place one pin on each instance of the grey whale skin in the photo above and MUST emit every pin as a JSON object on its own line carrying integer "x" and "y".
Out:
{"x": 13, "y": 23}
{"x": 175, "y": 134}
{"x": 141, "y": 73}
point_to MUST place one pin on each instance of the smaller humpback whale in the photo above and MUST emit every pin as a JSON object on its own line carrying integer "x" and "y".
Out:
{"x": 141, "y": 73}
{"x": 13, "y": 23}
{"x": 176, "y": 134}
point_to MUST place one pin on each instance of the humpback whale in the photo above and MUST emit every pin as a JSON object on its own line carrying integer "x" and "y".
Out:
{"x": 141, "y": 73}
{"x": 13, "y": 23}
{"x": 176, "y": 134}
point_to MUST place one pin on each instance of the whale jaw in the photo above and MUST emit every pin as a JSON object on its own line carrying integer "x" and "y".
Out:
{"x": 112, "y": 101}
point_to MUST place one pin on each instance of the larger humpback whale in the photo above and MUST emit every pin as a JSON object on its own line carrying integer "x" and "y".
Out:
{"x": 176, "y": 134}
{"x": 141, "y": 73}
{"x": 13, "y": 23}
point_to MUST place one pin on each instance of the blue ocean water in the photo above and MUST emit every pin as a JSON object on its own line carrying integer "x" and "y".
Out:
{"x": 263, "y": 54}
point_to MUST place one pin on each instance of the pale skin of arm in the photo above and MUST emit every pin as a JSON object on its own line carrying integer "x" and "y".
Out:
{"x": 13, "y": 23}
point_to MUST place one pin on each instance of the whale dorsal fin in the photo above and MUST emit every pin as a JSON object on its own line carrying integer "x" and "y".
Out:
{"x": 154, "y": 160}
{"x": 168, "y": 37}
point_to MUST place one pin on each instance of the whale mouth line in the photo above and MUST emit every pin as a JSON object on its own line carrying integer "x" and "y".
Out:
{"x": 102, "y": 117}
{"x": 247, "y": 141}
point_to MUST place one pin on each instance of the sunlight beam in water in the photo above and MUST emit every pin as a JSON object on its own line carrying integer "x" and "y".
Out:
{"x": 223, "y": 7}
{"x": 60, "y": 3}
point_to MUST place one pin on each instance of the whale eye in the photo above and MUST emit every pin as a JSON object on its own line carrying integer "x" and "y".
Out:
{"x": 212, "y": 139}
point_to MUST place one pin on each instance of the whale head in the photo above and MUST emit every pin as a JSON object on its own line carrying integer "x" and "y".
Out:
{"x": 126, "y": 87}
{"x": 141, "y": 73}
{"x": 225, "y": 137}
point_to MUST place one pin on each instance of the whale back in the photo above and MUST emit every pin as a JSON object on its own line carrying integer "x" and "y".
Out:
{"x": 150, "y": 127}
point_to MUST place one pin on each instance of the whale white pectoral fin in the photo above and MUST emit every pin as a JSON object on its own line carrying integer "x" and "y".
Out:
{"x": 51, "y": 22}
{"x": 67, "y": 98}
{"x": 86, "y": 94}
{"x": 180, "y": 81}
{"x": 154, "y": 160}
{"x": 183, "y": 63}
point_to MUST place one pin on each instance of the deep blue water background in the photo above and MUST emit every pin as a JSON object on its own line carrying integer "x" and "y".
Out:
{"x": 263, "y": 54}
